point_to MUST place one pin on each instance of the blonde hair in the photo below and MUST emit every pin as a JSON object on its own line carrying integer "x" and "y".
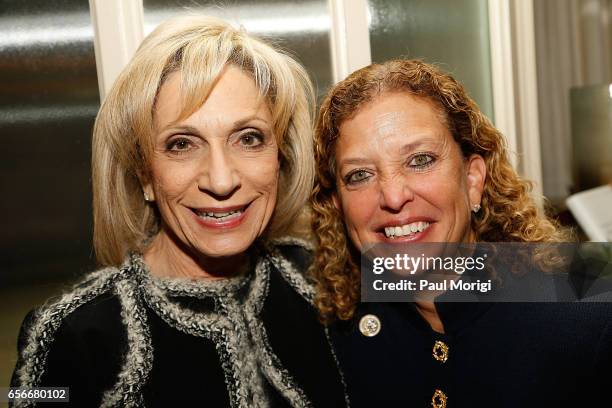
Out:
{"x": 508, "y": 212}
{"x": 200, "y": 48}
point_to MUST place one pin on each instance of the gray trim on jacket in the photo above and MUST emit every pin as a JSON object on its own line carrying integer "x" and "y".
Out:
{"x": 236, "y": 312}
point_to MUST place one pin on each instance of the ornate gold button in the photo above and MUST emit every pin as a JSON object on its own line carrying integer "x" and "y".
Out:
{"x": 369, "y": 325}
{"x": 440, "y": 351}
{"x": 439, "y": 399}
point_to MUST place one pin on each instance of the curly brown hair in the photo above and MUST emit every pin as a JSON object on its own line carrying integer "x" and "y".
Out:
{"x": 508, "y": 212}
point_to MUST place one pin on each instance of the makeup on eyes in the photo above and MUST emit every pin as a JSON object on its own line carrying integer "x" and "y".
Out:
{"x": 417, "y": 162}
{"x": 250, "y": 139}
{"x": 178, "y": 144}
{"x": 356, "y": 176}
{"x": 421, "y": 161}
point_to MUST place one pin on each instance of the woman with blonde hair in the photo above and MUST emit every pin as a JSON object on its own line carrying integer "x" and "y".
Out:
{"x": 202, "y": 299}
{"x": 405, "y": 158}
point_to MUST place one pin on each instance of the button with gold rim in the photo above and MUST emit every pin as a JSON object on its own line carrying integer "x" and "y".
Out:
{"x": 369, "y": 325}
{"x": 439, "y": 399}
{"x": 440, "y": 351}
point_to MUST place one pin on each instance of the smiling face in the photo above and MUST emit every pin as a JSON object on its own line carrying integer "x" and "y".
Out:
{"x": 213, "y": 175}
{"x": 401, "y": 177}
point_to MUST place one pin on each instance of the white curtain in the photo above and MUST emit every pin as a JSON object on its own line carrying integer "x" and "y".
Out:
{"x": 573, "y": 48}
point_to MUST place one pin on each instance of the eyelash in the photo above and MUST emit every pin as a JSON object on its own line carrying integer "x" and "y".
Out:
{"x": 348, "y": 181}
{"x": 170, "y": 146}
{"x": 415, "y": 167}
{"x": 253, "y": 134}
{"x": 421, "y": 167}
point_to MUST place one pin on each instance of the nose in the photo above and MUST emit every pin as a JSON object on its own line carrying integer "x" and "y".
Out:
{"x": 221, "y": 178}
{"x": 395, "y": 192}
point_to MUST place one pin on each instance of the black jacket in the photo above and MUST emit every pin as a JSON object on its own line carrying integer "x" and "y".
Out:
{"x": 513, "y": 355}
{"x": 125, "y": 339}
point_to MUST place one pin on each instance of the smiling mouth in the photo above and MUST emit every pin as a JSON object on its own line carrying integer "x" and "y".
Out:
{"x": 220, "y": 216}
{"x": 406, "y": 230}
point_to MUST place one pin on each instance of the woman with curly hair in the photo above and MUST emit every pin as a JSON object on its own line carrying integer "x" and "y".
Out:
{"x": 404, "y": 156}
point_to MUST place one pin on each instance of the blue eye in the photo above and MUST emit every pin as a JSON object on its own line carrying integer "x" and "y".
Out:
{"x": 357, "y": 176}
{"x": 421, "y": 161}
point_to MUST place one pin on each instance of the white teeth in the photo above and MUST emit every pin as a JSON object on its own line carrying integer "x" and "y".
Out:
{"x": 220, "y": 216}
{"x": 408, "y": 229}
{"x": 210, "y": 214}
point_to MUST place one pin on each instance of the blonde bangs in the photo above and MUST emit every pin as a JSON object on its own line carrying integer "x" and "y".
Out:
{"x": 200, "y": 48}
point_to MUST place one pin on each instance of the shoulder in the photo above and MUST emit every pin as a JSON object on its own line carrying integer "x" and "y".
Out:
{"x": 87, "y": 306}
{"x": 295, "y": 250}
{"x": 579, "y": 334}
{"x": 591, "y": 317}
{"x": 57, "y": 339}
{"x": 291, "y": 258}
{"x": 98, "y": 316}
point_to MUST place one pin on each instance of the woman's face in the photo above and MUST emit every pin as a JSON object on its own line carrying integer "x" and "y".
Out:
{"x": 401, "y": 176}
{"x": 214, "y": 175}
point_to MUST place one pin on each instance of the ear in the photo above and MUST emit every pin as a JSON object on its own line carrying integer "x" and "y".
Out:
{"x": 147, "y": 187}
{"x": 476, "y": 169}
{"x": 148, "y": 192}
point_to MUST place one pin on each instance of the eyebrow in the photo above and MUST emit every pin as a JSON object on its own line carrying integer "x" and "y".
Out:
{"x": 179, "y": 128}
{"x": 407, "y": 148}
{"x": 410, "y": 147}
{"x": 193, "y": 130}
{"x": 354, "y": 160}
{"x": 244, "y": 121}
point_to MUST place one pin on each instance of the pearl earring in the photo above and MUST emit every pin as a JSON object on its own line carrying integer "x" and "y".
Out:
{"x": 476, "y": 208}
{"x": 146, "y": 197}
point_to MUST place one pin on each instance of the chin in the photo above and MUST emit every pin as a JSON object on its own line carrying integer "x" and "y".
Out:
{"x": 228, "y": 241}
{"x": 224, "y": 248}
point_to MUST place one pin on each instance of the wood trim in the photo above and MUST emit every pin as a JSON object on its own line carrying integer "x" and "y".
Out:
{"x": 530, "y": 163}
{"x": 349, "y": 37}
{"x": 500, "y": 35}
{"x": 118, "y": 31}
{"x": 515, "y": 95}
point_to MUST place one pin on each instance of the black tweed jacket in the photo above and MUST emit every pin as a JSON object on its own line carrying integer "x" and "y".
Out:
{"x": 123, "y": 338}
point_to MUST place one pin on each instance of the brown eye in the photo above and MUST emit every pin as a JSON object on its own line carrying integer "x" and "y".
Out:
{"x": 251, "y": 140}
{"x": 178, "y": 145}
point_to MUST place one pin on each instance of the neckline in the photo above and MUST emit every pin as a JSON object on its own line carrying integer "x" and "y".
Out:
{"x": 195, "y": 288}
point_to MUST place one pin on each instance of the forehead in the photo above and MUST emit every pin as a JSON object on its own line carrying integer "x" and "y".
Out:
{"x": 390, "y": 119}
{"x": 233, "y": 96}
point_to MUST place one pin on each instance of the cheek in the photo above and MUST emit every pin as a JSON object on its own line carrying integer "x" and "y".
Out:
{"x": 444, "y": 189}
{"x": 358, "y": 206}
{"x": 261, "y": 173}
{"x": 171, "y": 180}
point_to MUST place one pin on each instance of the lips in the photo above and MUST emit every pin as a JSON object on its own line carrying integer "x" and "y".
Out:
{"x": 221, "y": 217}
{"x": 407, "y": 229}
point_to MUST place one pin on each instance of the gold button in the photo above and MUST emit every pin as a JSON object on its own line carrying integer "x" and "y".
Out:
{"x": 439, "y": 399}
{"x": 440, "y": 351}
{"x": 369, "y": 325}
